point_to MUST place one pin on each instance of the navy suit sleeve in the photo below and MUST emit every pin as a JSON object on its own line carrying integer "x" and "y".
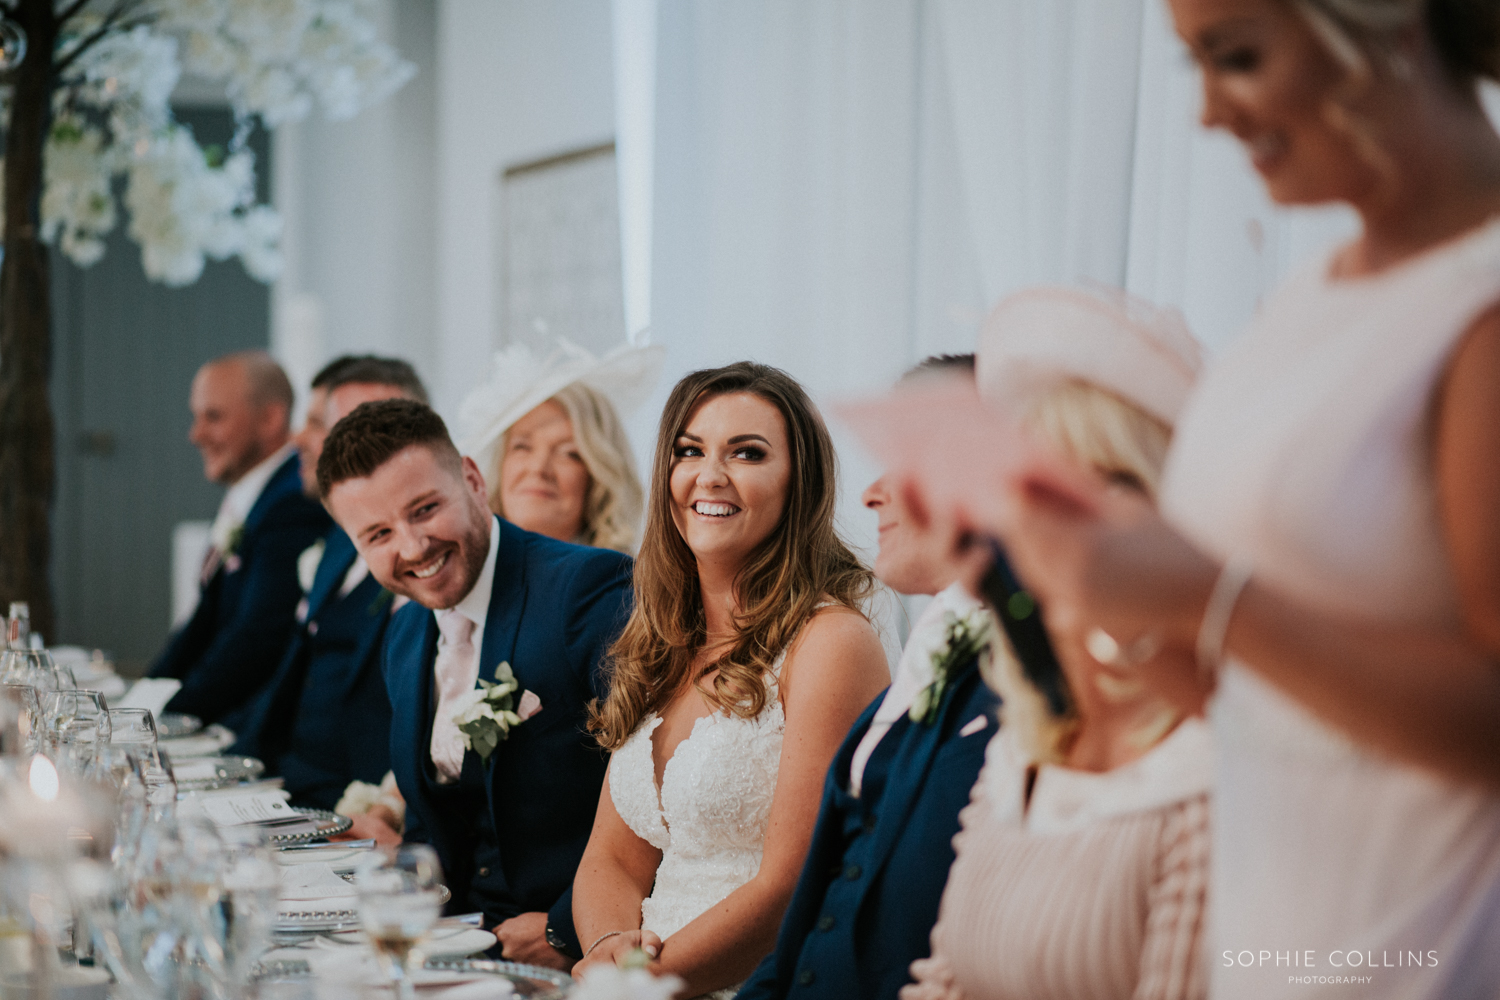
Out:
{"x": 245, "y": 651}
{"x": 762, "y": 982}
{"x": 560, "y": 923}
{"x": 599, "y": 598}
{"x": 187, "y": 643}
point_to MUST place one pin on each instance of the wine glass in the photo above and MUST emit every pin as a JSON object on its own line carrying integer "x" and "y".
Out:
{"x": 20, "y": 716}
{"x": 399, "y": 901}
{"x": 84, "y": 726}
{"x": 132, "y": 725}
{"x": 247, "y": 912}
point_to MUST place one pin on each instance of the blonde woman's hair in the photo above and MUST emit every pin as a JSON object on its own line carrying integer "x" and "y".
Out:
{"x": 612, "y": 506}
{"x": 1124, "y": 444}
{"x": 802, "y": 563}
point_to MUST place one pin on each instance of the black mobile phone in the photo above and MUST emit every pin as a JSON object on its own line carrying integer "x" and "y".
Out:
{"x": 1021, "y": 618}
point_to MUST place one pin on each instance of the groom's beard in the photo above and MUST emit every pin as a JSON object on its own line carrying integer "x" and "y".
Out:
{"x": 463, "y": 561}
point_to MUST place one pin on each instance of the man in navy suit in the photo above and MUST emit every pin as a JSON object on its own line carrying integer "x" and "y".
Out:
{"x": 241, "y": 406}
{"x": 324, "y": 720}
{"x": 869, "y": 891}
{"x": 511, "y": 829}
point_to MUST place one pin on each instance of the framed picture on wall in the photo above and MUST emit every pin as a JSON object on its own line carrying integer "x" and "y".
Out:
{"x": 558, "y": 227}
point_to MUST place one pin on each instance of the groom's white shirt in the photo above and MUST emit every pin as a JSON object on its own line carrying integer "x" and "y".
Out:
{"x": 475, "y": 605}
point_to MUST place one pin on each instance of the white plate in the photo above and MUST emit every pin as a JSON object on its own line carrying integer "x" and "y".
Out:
{"x": 207, "y": 743}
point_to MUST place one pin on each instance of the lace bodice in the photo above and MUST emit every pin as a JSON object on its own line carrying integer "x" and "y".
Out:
{"x": 709, "y": 817}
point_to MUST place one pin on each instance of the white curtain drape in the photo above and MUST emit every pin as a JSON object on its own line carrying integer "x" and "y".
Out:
{"x": 842, "y": 187}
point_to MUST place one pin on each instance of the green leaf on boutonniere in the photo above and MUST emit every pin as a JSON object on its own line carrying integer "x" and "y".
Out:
{"x": 232, "y": 544}
{"x": 380, "y": 603}
{"x": 963, "y": 639}
{"x": 486, "y": 715}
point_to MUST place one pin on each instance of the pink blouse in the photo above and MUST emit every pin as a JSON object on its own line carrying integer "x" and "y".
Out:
{"x": 1095, "y": 891}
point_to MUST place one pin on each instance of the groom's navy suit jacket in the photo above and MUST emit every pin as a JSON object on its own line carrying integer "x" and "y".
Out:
{"x": 246, "y": 612}
{"x": 554, "y": 610}
{"x": 868, "y": 895}
{"x": 324, "y": 719}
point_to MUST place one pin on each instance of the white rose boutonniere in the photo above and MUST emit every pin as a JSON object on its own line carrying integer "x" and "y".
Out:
{"x": 486, "y": 714}
{"x": 963, "y": 639}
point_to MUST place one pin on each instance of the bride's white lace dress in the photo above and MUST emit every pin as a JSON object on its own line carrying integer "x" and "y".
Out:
{"x": 709, "y": 817}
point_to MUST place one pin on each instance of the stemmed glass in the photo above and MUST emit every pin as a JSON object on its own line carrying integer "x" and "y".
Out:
{"x": 399, "y": 902}
{"x": 87, "y": 727}
{"x": 247, "y": 911}
{"x": 135, "y": 728}
{"x": 20, "y": 717}
{"x": 132, "y": 725}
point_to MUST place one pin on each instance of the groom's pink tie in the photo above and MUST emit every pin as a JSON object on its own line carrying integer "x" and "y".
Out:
{"x": 455, "y": 670}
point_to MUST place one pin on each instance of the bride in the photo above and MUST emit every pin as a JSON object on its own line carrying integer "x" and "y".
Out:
{"x": 743, "y": 665}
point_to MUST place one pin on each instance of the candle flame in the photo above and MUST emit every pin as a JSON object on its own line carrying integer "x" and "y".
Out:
{"x": 44, "y": 783}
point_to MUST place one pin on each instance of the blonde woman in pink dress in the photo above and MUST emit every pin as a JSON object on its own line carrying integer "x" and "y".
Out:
{"x": 1082, "y": 863}
{"x": 1330, "y": 538}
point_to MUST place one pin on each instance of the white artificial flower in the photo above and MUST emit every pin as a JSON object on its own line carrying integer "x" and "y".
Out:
{"x": 260, "y": 251}
{"x": 78, "y": 207}
{"x": 208, "y": 54}
{"x": 471, "y": 706}
{"x": 193, "y": 15}
{"x": 277, "y": 60}
{"x": 609, "y": 982}
{"x": 357, "y": 799}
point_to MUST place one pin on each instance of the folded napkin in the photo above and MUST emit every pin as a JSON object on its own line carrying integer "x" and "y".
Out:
{"x": 313, "y": 881}
{"x": 196, "y": 769}
{"x": 150, "y": 693}
{"x": 330, "y": 855}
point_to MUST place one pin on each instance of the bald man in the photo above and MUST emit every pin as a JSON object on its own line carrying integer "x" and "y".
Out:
{"x": 242, "y": 406}
{"x": 324, "y": 719}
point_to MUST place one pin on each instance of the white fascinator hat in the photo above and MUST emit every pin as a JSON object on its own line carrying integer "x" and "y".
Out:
{"x": 1038, "y": 338}
{"x": 519, "y": 380}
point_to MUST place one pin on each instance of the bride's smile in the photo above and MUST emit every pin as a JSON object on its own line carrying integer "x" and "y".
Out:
{"x": 730, "y": 470}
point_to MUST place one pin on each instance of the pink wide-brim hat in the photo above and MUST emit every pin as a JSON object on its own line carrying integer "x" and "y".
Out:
{"x": 1041, "y": 337}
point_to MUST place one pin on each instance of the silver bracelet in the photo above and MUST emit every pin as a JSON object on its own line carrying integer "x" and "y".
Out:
{"x": 1214, "y": 628}
{"x": 601, "y": 938}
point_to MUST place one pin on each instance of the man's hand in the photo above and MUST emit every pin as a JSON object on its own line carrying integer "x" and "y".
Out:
{"x": 524, "y": 939}
{"x": 368, "y": 825}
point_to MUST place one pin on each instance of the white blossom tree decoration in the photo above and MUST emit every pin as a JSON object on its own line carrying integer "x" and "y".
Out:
{"x": 277, "y": 59}
{"x": 89, "y": 107}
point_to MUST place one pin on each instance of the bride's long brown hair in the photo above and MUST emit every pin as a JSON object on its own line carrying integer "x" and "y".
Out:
{"x": 800, "y": 564}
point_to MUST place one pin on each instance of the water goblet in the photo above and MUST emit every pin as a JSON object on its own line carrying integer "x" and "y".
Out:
{"x": 247, "y": 913}
{"x": 20, "y": 718}
{"x": 132, "y": 725}
{"x": 399, "y": 893}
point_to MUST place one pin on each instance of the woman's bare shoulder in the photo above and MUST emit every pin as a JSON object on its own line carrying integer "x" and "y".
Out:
{"x": 845, "y": 649}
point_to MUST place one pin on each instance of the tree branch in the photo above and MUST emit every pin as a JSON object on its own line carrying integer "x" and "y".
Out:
{"x": 113, "y": 21}
{"x": 71, "y": 9}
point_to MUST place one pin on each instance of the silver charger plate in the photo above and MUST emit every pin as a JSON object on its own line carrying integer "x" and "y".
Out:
{"x": 300, "y": 923}
{"x": 330, "y": 824}
{"x": 304, "y": 922}
{"x": 171, "y": 724}
{"x": 227, "y": 771}
{"x": 530, "y": 981}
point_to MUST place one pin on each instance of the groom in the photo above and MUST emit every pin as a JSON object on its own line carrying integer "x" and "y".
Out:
{"x": 510, "y": 830}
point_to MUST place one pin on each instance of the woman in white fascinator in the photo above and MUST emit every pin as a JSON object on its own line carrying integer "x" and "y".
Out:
{"x": 1082, "y": 861}
{"x": 546, "y": 433}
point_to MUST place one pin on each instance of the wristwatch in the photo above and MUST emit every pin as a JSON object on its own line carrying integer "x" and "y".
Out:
{"x": 557, "y": 941}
